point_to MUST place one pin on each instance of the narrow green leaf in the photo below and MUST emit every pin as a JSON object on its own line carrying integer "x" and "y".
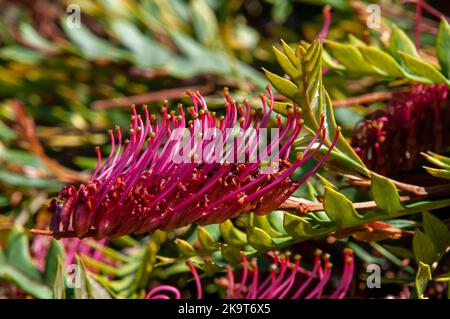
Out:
{"x": 143, "y": 268}
{"x": 81, "y": 284}
{"x": 59, "y": 286}
{"x": 55, "y": 253}
{"x": 443, "y": 47}
{"x": 400, "y": 251}
{"x": 387, "y": 254}
{"x": 441, "y": 173}
{"x": 438, "y": 160}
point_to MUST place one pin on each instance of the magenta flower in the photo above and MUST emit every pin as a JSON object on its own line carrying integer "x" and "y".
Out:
{"x": 287, "y": 280}
{"x": 142, "y": 187}
{"x": 418, "y": 121}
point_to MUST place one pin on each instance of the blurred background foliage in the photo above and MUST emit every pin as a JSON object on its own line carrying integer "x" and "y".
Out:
{"x": 62, "y": 88}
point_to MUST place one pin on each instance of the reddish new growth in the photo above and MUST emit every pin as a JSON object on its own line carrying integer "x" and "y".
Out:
{"x": 140, "y": 188}
{"x": 286, "y": 280}
{"x": 392, "y": 140}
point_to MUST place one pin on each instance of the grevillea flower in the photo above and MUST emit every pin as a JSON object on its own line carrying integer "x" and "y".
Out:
{"x": 140, "y": 187}
{"x": 392, "y": 140}
{"x": 287, "y": 280}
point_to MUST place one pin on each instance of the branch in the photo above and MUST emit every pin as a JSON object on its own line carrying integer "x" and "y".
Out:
{"x": 27, "y": 130}
{"x": 302, "y": 206}
{"x": 61, "y": 234}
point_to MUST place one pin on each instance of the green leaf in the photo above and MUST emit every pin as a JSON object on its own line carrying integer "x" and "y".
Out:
{"x": 423, "y": 248}
{"x": 441, "y": 173}
{"x": 59, "y": 286}
{"x": 326, "y": 182}
{"x": 144, "y": 268}
{"x": 185, "y": 248}
{"x": 7, "y": 134}
{"x": 309, "y": 93}
{"x": 55, "y": 253}
{"x": 259, "y": 239}
{"x": 231, "y": 254}
{"x": 340, "y": 209}
{"x": 287, "y": 65}
{"x": 438, "y": 160}
{"x": 385, "y": 194}
{"x": 19, "y": 180}
{"x": 21, "y": 54}
{"x": 97, "y": 290}
{"x": 204, "y": 21}
{"x": 388, "y": 255}
{"x": 383, "y": 62}
{"x": 146, "y": 51}
{"x": 81, "y": 285}
{"x": 284, "y": 86}
{"x": 437, "y": 231}
{"x": 232, "y": 235}
{"x": 34, "y": 287}
{"x": 205, "y": 239}
{"x": 264, "y": 223}
{"x": 31, "y": 36}
{"x": 400, "y": 42}
{"x": 88, "y": 288}
{"x": 443, "y": 47}
{"x": 300, "y": 229}
{"x": 18, "y": 254}
{"x": 422, "y": 277}
{"x": 295, "y": 60}
{"x": 422, "y": 68}
{"x": 365, "y": 255}
{"x": 91, "y": 46}
{"x": 349, "y": 56}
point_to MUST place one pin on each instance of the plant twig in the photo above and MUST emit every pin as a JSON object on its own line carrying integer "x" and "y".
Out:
{"x": 61, "y": 234}
{"x": 27, "y": 131}
{"x": 302, "y": 206}
{"x": 368, "y": 98}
